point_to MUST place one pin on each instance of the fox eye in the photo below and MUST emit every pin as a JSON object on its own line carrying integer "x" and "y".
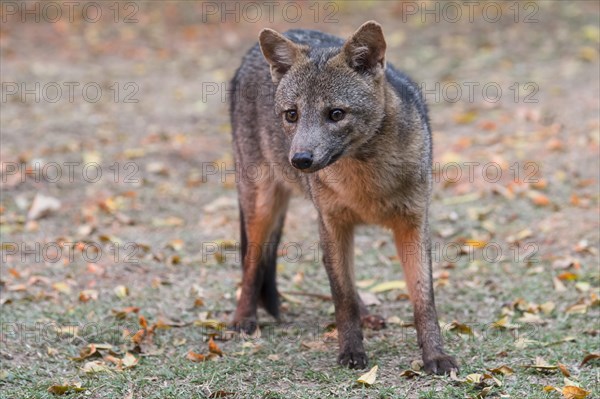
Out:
{"x": 336, "y": 115}
{"x": 291, "y": 116}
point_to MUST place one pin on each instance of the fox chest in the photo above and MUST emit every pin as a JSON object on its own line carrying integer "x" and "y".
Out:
{"x": 367, "y": 196}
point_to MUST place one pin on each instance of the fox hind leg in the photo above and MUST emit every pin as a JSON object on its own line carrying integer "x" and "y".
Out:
{"x": 262, "y": 214}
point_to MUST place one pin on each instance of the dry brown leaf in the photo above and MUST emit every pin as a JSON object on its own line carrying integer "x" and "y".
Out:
{"x": 213, "y": 347}
{"x": 85, "y": 352}
{"x": 538, "y": 198}
{"x": 563, "y": 369}
{"x": 88, "y": 295}
{"x": 589, "y": 358}
{"x": 410, "y": 373}
{"x": 573, "y": 392}
{"x": 195, "y": 357}
{"x": 505, "y": 370}
{"x": 122, "y": 313}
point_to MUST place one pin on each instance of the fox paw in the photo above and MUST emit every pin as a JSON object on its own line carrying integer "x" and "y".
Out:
{"x": 440, "y": 364}
{"x": 247, "y": 326}
{"x": 373, "y": 321}
{"x": 353, "y": 359}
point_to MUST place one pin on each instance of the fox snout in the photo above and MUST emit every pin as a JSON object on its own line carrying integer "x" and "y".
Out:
{"x": 311, "y": 161}
{"x": 302, "y": 160}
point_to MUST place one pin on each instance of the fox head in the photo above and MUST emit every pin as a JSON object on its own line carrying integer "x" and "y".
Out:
{"x": 330, "y": 99}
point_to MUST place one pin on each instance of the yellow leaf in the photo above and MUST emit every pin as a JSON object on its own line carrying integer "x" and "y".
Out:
{"x": 62, "y": 287}
{"x": 465, "y": 117}
{"x": 94, "y": 367}
{"x": 461, "y": 328}
{"x": 389, "y": 285}
{"x": 578, "y": 308}
{"x": 547, "y": 307}
{"x": 121, "y": 291}
{"x": 369, "y": 377}
{"x": 475, "y": 243}
{"x": 572, "y": 392}
{"x": 63, "y": 389}
{"x": 474, "y": 378}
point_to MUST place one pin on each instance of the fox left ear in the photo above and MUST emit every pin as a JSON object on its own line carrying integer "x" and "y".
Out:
{"x": 365, "y": 49}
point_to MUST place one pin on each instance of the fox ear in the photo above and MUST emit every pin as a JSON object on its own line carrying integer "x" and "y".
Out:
{"x": 365, "y": 49}
{"x": 279, "y": 51}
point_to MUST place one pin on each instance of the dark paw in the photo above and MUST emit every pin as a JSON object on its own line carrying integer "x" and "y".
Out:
{"x": 247, "y": 326}
{"x": 373, "y": 321}
{"x": 440, "y": 364}
{"x": 353, "y": 359}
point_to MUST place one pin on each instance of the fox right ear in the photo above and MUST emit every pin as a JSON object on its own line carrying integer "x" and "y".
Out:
{"x": 279, "y": 51}
{"x": 365, "y": 49}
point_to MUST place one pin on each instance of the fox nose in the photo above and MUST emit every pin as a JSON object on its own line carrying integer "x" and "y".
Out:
{"x": 302, "y": 160}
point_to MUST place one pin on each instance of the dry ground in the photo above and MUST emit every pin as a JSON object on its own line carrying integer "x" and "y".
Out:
{"x": 152, "y": 240}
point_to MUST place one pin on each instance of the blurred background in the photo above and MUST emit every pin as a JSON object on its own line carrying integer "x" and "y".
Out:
{"x": 116, "y": 145}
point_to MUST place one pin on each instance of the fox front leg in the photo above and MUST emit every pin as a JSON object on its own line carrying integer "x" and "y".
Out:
{"x": 414, "y": 252}
{"x": 337, "y": 241}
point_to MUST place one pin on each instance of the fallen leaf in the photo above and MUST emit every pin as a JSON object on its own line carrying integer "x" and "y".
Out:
{"x": 541, "y": 365}
{"x": 317, "y": 346}
{"x": 41, "y": 206}
{"x": 465, "y": 117}
{"x": 65, "y": 388}
{"x": 589, "y": 358}
{"x": 195, "y": 357}
{"x": 505, "y": 370}
{"x": 388, "y": 286}
{"x": 62, "y": 287}
{"x": 122, "y": 313}
{"x": 410, "y": 374}
{"x": 213, "y": 347}
{"x": 95, "y": 367}
{"x": 369, "y": 377}
{"x": 572, "y": 392}
{"x": 121, "y": 291}
{"x": 578, "y": 308}
{"x": 85, "y": 352}
{"x": 564, "y": 370}
{"x": 460, "y": 328}
{"x": 558, "y": 285}
{"x": 129, "y": 361}
{"x": 88, "y": 295}
{"x": 538, "y": 198}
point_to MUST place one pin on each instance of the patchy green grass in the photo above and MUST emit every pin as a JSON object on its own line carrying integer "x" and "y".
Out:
{"x": 542, "y": 287}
